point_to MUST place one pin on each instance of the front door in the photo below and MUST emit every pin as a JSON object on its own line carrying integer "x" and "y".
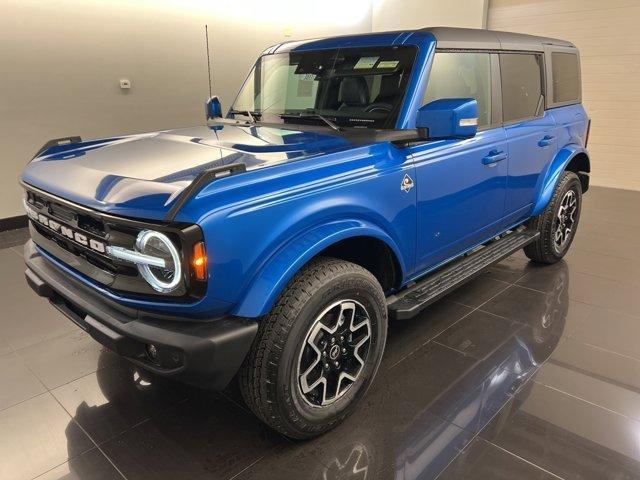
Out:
{"x": 460, "y": 184}
{"x": 461, "y": 189}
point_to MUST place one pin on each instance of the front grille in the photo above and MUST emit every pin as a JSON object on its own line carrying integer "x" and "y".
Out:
{"x": 116, "y": 275}
{"x": 59, "y": 211}
{"x": 101, "y": 261}
{"x": 79, "y": 221}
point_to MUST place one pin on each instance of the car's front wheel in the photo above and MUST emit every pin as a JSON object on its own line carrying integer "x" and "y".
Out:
{"x": 317, "y": 351}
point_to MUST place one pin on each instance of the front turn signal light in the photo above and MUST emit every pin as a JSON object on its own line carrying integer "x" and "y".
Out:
{"x": 199, "y": 261}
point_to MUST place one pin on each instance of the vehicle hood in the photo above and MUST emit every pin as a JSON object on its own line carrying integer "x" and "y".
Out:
{"x": 142, "y": 175}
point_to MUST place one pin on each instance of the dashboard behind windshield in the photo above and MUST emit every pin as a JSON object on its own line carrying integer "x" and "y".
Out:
{"x": 351, "y": 87}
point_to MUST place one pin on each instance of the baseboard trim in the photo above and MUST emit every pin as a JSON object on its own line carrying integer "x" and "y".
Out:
{"x": 13, "y": 223}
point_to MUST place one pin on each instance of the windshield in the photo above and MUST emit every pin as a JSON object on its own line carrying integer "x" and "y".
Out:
{"x": 352, "y": 87}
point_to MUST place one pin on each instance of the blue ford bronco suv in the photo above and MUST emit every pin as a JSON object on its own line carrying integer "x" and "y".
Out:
{"x": 354, "y": 180}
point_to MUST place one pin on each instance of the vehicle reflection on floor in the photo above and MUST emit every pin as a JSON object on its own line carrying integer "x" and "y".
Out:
{"x": 393, "y": 434}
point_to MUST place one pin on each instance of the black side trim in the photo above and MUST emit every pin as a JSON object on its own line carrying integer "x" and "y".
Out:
{"x": 56, "y": 142}
{"x": 13, "y": 223}
{"x": 200, "y": 181}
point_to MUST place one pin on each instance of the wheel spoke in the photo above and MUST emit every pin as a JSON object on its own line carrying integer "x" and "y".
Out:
{"x": 354, "y": 328}
{"x": 306, "y": 388}
{"x": 341, "y": 377}
{"x": 347, "y": 313}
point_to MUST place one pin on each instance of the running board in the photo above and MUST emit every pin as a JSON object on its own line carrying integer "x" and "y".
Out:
{"x": 411, "y": 301}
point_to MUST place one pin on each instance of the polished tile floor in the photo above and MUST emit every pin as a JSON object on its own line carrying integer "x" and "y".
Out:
{"x": 525, "y": 373}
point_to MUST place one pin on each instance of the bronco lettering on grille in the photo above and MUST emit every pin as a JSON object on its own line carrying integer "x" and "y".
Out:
{"x": 65, "y": 230}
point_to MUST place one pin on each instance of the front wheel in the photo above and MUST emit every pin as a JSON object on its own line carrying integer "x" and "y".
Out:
{"x": 318, "y": 350}
{"x": 558, "y": 223}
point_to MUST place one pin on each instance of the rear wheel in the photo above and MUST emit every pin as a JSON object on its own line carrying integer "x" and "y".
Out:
{"x": 318, "y": 350}
{"x": 558, "y": 223}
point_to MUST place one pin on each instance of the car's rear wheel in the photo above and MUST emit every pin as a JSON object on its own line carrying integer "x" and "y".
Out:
{"x": 558, "y": 223}
{"x": 318, "y": 350}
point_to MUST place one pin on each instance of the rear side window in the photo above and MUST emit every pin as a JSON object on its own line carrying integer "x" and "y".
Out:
{"x": 521, "y": 77}
{"x": 462, "y": 75}
{"x": 566, "y": 77}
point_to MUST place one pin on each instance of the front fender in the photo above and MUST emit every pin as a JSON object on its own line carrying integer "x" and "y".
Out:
{"x": 280, "y": 269}
{"x": 558, "y": 165}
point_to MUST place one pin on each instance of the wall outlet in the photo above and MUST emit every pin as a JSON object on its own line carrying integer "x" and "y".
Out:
{"x": 125, "y": 84}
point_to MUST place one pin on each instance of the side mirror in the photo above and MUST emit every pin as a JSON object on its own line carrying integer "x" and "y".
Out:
{"x": 213, "y": 108}
{"x": 448, "y": 118}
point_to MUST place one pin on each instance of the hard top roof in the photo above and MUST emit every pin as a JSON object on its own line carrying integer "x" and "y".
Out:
{"x": 446, "y": 37}
{"x": 450, "y": 37}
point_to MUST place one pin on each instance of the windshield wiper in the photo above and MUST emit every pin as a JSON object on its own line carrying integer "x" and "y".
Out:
{"x": 312, "y": 115}
{"x": 246, "y": 113}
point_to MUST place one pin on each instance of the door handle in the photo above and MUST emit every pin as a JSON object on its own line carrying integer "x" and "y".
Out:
{"x": 546, "y": 141}
{"x": 494, "y": 156}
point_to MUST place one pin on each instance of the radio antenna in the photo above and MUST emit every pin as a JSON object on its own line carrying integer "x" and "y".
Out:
{"x": 206, "y": 35}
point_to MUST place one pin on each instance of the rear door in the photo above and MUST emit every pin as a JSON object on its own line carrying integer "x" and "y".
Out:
{"x": 565, "y": 95}
{"x": 461, "y": 184}
{"x": 531, "y": 131}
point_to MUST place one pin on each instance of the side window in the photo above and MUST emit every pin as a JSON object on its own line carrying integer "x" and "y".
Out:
{"x": 462, "y": 75}
{"x": 566, "y": 77}
{"x": 521, "y": 77}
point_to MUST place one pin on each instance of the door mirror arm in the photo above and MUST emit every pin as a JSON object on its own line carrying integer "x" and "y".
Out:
{"x": 410, "y": 137}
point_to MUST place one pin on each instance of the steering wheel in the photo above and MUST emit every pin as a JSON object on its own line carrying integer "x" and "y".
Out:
{"x": 385, "y": 107}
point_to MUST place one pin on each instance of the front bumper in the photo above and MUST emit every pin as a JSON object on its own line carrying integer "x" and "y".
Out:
{"x": 203, "y": 353}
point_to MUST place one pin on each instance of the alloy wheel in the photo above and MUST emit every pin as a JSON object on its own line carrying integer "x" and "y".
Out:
{"x": 565, "y": 221}
{"x": 334, "y": 352}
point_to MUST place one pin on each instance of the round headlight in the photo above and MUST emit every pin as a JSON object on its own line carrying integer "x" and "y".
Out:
{"x": 156, "y": 244}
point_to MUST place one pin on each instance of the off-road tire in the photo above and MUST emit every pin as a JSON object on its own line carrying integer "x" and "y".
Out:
{"x": 544, "y": 249}
{"x": 269, "y": 377}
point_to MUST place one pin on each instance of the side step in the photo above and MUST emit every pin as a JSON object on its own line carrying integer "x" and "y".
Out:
{"x": 411, "y": 301}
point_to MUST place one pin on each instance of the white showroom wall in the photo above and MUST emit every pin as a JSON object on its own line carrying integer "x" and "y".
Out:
{"x": 399, "y": 14}
{"x": 607, "y": 35}
{"x": 62, "y": 60}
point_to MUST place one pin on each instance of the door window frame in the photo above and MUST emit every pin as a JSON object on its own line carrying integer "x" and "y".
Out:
{"x": 494, "y": 74}
{"x": 548, "y": 58}
{"x": 543, "y": 83}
